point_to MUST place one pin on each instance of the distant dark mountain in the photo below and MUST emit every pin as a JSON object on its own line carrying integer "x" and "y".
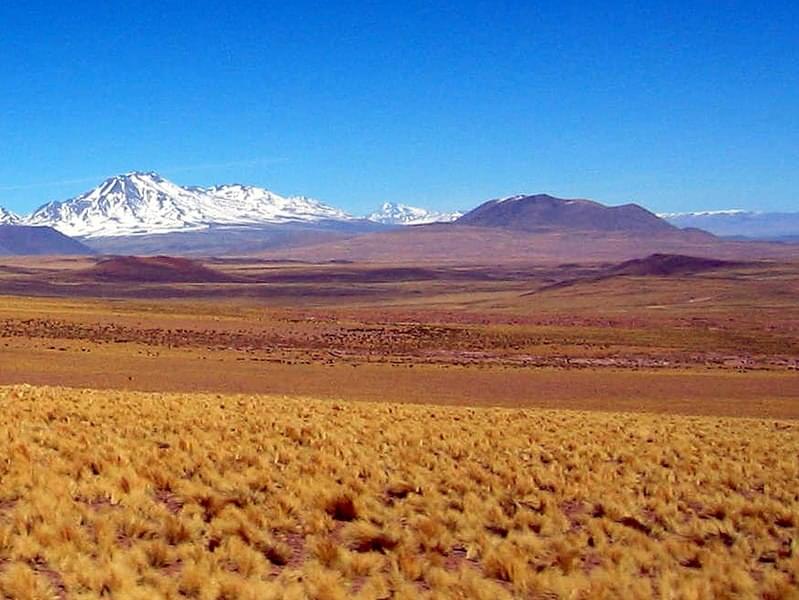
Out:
{"x": 20, "y": 240}
{"x": 542, "y": 212}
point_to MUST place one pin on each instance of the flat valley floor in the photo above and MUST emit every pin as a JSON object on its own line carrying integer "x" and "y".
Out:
{"x": 262, "y": 429}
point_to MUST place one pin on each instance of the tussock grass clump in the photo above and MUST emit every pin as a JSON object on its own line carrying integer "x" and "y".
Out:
{"x": 365, "y": 537}
{"x": 341, "y": 508}
{"x": 123, "y": 495}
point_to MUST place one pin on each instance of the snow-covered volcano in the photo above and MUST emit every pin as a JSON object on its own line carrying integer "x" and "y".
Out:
{"x": 391, "y": 213}
{"x": 145, "y": 203}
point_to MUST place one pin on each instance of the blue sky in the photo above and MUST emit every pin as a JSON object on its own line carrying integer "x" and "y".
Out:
{"x": 677, "y": 106}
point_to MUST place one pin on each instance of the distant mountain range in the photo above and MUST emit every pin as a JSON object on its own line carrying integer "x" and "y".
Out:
{"x": 143, "y": 204}
{"x": 145, "y": 214}
{"x": 740, "y": 223}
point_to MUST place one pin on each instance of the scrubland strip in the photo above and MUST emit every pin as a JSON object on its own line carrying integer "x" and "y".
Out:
{"x": 124, "y": 495}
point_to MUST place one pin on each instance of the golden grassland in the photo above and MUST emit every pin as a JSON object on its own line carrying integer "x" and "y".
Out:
{"x": 132, "y": 495}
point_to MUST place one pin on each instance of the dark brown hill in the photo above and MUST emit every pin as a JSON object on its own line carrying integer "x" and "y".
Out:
{"x": 542, "y": 212}
{"x": 155, "y": 269}
{"x": 22, "y": 240}
{"x": 654, "y": 265}
{"x": 669, "y": 264}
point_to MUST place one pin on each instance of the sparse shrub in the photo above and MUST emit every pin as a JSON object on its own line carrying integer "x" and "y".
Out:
{"x": 157, "y": 554}
{"x": 341, "y": 507}
{"x": 176, "y": 531}
{"x": 326, "y": 551}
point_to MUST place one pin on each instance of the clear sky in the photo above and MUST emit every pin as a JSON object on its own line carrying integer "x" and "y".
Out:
{"x": 675, "y": 105}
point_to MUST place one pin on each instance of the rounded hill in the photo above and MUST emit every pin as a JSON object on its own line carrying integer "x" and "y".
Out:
{"x": 155, "y": 269}
{"x": 542, "y": 212}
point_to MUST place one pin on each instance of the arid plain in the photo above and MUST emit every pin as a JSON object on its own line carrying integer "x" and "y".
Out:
{"x": 253, "y": 428}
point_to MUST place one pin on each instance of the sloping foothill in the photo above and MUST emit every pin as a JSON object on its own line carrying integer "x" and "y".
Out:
{"x": 23, "y": 240}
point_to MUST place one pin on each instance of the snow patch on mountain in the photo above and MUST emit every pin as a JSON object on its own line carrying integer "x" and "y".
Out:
{"x": 392, "y": 213}
{"x": 145, "y": 203}
{"x": 8, "y": 218}
{"x": 258, "y": 204}
{"x": 510, "y": 198}
{"x": 707, "y": 213}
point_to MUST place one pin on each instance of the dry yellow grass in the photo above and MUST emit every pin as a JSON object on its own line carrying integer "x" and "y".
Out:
{"x": 128, "y": 495}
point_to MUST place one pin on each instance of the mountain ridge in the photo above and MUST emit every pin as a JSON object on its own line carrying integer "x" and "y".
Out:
{"x": 144, "y": 203}
{"x": 140, "y": 203}
{"x": 737, "y": 223}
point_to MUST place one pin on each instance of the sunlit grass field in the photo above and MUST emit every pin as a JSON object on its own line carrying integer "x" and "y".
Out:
{"x": 131, "y": 495}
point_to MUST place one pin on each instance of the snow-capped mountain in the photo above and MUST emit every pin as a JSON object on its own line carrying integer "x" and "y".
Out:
{"x": 740, "y": 223}
{"x": 7, "y": 217}
{"x": 391, "y": 213}
{"x": 261, "y": 205}
{"x": 145, "y": 203}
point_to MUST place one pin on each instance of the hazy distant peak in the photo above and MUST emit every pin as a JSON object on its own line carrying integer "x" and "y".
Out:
{"x": 7, "y": 217}
{"x": 740, "y": 223}
{"x": 394, "y": 213}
